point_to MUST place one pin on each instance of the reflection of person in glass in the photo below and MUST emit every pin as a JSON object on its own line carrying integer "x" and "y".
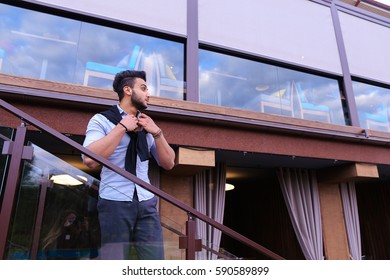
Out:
{"x": 128, "y": 138}
{"x": 65, "y": 239}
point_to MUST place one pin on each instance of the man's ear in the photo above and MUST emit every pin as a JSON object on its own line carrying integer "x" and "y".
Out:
{"x": 127, "y": 90}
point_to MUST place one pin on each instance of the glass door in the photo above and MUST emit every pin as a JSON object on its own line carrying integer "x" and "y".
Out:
{"x": 55, "y": 213}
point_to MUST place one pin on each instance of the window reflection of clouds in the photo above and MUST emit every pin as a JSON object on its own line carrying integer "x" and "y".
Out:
{"x": 368, "y": 97}
{"x": 113, "y": 47}
{"x": 229, "y": 81}
{"x": 32, "y": 40}
{"x": 45, "y": 46}
{"x": 372, "y": 104}
{"x": 238, "y": 83}
{"x": 103, "y": 44}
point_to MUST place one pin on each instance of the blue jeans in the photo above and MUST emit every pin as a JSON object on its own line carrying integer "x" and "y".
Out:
{"x": 127, "y": 223}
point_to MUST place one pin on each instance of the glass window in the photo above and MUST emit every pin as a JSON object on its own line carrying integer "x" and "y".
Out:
{"x": 42, "y": 46}
{"x": 239, "y": 83}
{"x": 372, "y": 104}
{"x": 38, "y": 45}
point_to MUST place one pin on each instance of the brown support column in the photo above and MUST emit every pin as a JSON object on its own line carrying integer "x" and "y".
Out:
{"x": 180, "y": 187}
{"x": 333, "y": 226}
{"x": 333, "y": 222}
{"x": 179, "y": 182}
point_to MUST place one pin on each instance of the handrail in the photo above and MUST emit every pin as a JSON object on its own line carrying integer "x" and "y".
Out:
{"x": 191, "y": 211}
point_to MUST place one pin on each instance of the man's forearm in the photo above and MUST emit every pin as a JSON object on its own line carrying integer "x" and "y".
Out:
{"x": 166, "y": 154}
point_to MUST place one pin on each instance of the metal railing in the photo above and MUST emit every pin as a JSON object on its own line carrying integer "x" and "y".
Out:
{"x": 18, "y": 152}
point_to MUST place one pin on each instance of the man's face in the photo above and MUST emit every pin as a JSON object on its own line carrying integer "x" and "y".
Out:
{"x": 140, "y": 94}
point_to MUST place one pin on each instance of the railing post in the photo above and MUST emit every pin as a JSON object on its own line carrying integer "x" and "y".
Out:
{"x": 44, "y": 186}
{"x": 17, "y": 151}
{"x": 188, "y": 241}
{"x": 191, "y": 231}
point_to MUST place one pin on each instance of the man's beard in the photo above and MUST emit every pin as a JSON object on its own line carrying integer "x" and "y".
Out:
{"x": 137, "y": 103}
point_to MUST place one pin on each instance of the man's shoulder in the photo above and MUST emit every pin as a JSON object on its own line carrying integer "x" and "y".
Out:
{"x": 100, "y": 120}
{"x": 99, "y": 116}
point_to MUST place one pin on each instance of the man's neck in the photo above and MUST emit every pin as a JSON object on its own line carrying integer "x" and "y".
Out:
{"x": 131, "y": 110}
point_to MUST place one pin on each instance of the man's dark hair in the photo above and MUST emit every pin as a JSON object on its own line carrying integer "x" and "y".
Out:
{"x": 126, "y": 78}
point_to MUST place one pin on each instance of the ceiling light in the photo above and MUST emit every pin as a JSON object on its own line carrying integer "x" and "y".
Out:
{"x": 67, "y": 180}
{"x": 229, "y": 187}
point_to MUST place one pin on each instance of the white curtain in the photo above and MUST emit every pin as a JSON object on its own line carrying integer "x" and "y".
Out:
{"x": 300, "y": 191}
{"x": 210, "y": 200}
{"x": 351, "y": 216}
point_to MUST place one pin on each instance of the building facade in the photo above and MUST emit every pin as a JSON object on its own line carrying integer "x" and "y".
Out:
{"x": 289, "y": 101}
